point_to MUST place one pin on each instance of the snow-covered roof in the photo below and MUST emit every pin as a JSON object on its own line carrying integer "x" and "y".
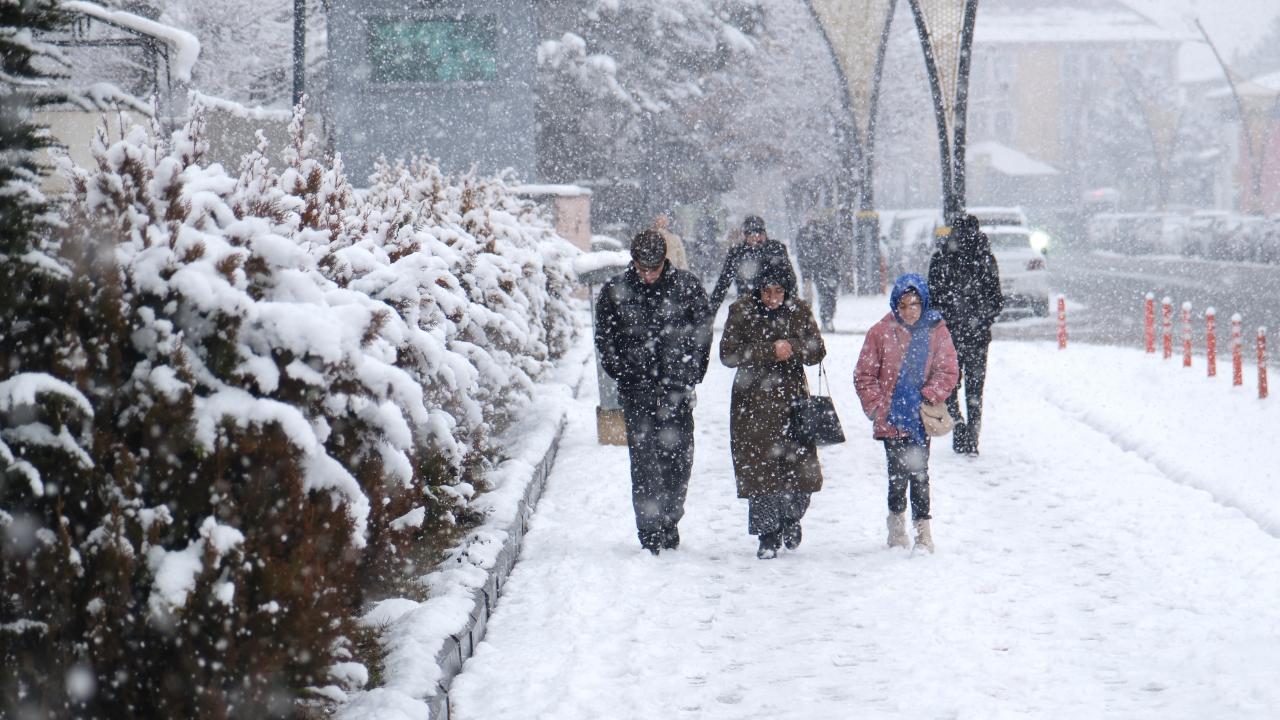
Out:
{"x": 186, "y": 46}
{"x": 550, "y": 191}
{"x": 1083, "y": 21}
{"x": 1263, "y": 86}
{"x": 1008, "y": 161}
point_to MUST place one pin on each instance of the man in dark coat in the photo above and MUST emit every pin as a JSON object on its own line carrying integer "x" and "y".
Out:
{"x": 964, "y": 280}
{"x": 747, "y": 260}
{"x": 653, "y": 336}
{"x": 820, "y": 257}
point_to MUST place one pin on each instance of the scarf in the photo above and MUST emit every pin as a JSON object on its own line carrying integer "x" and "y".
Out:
{"x": 904, "y": 408}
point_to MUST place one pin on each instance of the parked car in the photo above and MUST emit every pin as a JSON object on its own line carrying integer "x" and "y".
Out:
{"x": 1269, "y": 249}
{"x": 1206, "y": 232}
{"x": 909, "y": 236}
{"x": 1024, "y": 271}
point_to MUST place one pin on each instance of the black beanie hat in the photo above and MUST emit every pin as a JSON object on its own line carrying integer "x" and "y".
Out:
{"x": 752, "y": 224}
{"x": 648, "y": 248}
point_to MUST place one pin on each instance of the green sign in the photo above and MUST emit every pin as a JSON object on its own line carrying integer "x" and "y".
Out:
{"x": 433, "y": 49}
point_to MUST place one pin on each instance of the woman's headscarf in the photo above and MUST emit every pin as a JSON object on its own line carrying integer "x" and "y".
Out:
{"x": 904, "y": 409}
{"x": 774, "y": 274}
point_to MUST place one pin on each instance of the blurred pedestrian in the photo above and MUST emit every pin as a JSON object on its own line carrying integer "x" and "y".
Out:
{"x": 748, "y": 259}
{"x": 769, "y": 337}
{"x": 676, "y": 252}
{"x": 965, "y": 281}
{"x": 653, "y": 336}
{"x": 818, "y": 252}
{"x": 704, "y": 250}
{"x": 907, "y": 358}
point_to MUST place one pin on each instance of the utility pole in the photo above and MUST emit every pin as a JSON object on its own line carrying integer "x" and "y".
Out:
{"x": 299, "y": 50}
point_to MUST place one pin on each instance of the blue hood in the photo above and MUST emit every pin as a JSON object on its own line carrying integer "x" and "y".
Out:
{"x": 912, "y": 281}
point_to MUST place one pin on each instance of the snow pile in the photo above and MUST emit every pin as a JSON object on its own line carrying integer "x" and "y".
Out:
{"x": 274, "y": 392}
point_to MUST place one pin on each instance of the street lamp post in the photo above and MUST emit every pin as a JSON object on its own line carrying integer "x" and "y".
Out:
{"x": 299, "y": 50}
{"x": 946, "y": 36}
{"x": 856, "y": 33}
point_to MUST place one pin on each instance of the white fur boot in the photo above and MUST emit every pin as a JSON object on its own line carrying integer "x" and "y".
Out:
{"x": 897, "y": 523}
{"x": 924, "y": 538}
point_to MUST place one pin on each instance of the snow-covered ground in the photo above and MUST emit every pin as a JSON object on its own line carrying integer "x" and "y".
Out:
{"x": 1112, "y": 553}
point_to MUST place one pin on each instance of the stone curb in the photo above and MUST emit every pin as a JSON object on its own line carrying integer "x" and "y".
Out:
{"x": 461, "y": 646}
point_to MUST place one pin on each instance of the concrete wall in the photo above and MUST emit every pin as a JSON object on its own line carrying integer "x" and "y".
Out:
{"x": 488, "y": 123}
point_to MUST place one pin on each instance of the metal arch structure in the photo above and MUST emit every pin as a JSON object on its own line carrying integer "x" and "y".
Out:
{"x": 946, "y": 37}
{"x": 856, "y": 33}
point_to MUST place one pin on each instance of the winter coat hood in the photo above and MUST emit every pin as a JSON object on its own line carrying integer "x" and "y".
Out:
{"x": 913, "y": 282}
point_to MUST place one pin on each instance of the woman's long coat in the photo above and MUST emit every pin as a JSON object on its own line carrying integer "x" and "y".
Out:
{"x": 765, "y": 461}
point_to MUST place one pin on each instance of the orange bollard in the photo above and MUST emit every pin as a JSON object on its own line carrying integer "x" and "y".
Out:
{"x": 1211, "y": 341}
{"x": 1166, "y": 325}
{"x": 1237, "y": 363}
{"x": 1186, "y": 334}
{"x": 1149, "y": 324}
{"x": 1062, "y": 322}
{"x": 1262, "y": 363}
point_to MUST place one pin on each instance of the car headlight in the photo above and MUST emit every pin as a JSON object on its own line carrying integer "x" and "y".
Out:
{"x": 1039, "y": 240}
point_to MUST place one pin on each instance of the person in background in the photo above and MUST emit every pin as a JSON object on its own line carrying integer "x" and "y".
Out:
{"x": 769, "y": 337}
{"x": 748, "y": 259}
{"x": 965, "y": 281}
{"x": 676, "y": 253}
{"x": 653, "y": 338}
{"x": 907, "y": 358}
{"x": 820, "y": 258}
{"x": 704, "y": 251}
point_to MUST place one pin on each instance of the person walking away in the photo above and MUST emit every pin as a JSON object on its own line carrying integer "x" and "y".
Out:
{"x": 748, "y": 259}
{"x": 769, "y": 337}
{"x": 676, "y": 252}
{"x": 907, "y": 358}
{"x": 653, "y": 337}
{"x": 820, "y": 258}
{"x": 965, "y": 281}
{"x": 704, "y": 251}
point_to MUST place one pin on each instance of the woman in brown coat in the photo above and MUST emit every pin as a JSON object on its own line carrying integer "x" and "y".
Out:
{"x": 770, "y": 336}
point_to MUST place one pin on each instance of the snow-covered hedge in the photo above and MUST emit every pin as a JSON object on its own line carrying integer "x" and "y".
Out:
{"x": 267, "y": 391}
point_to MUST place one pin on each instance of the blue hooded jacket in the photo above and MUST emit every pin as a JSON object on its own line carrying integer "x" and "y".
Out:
{"x": 904, "y": 409}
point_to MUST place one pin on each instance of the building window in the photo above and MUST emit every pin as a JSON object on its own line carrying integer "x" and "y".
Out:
{"x": 433, "y": 49}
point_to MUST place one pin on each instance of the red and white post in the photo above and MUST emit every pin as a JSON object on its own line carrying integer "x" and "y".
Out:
{"x": 1262, "y": 363}
{"x": 1186, "y": 334}
{"x": 1211, "y": 341}
{"x": 1237, "y": 363}
{"x": 1062, "y": 322}
{"x": 1149, "y": 323}
{"x": 1166, "y": 325}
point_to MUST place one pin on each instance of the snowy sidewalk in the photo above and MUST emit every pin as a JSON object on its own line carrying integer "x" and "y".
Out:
{"x": 1079, "y": 572}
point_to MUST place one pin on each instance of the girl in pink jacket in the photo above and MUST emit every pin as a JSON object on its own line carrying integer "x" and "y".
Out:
{"x": 907, "y": 358}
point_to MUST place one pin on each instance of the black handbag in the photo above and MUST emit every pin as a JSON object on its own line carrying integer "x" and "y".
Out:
{"x": 813, "y": 418}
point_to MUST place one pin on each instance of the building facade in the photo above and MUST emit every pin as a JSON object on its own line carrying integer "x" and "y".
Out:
{"x": 452, "y": 79}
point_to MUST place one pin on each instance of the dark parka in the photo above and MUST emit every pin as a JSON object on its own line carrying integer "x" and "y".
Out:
{"x": 765, "y": 461}
{"x": 744, "y": 265}
{"x": 654, "y": 338}
{"x": 964, "y": 281}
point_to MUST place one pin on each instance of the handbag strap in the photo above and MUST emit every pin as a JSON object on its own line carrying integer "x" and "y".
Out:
{"x": 822, "y": 377}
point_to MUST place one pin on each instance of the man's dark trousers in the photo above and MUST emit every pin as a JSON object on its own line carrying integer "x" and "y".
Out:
{"x": 660, "y": 441}
{"x": 972, "y": 357}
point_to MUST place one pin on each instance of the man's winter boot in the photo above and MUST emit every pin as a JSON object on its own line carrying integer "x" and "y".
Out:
{"x": 791, "y": 535}
{"x": 769, "y": 543}
{"x": 670, "y": 538}
{"x": 898, "y": 530}
{"x": 924, "y": 538}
